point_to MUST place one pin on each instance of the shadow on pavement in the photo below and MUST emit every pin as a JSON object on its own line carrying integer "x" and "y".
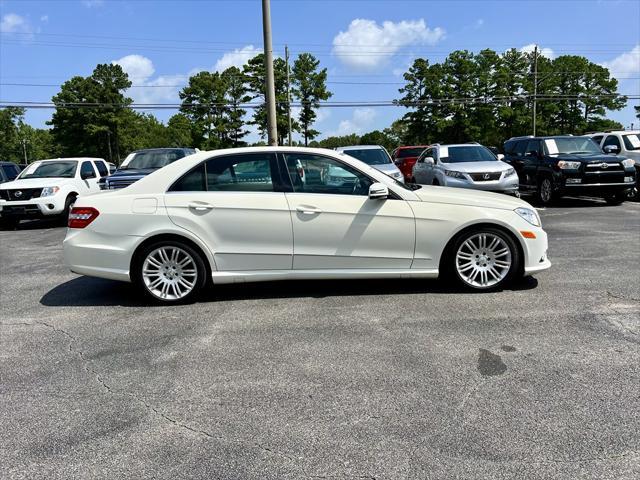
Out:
{"x": 88, "y": 291}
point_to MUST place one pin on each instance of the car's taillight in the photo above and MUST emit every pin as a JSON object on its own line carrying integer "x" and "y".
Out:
{"x": 80, "y": 217}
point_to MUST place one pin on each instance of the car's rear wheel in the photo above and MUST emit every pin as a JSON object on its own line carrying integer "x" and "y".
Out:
{"x": 485, "y": 259}
{"x": 170, "y": 272}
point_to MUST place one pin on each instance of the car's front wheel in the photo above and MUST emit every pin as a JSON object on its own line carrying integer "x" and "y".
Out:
{"x": 616, "y": 198}
{"x": 545, "y": 193}
{"x": 485, "y": 259}
{"x": 170, "y": 272}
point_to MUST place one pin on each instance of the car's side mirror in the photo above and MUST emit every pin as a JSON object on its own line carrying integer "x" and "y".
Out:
{"x": 531, "y": 153}
{"x": 429, "y": 161}
{"x": 611, "y": 149}
{"x": 87, "y": 175}
{"x": 378, "y": 191}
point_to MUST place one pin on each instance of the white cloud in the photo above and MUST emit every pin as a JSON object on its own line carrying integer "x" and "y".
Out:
{"x": 14, "y": 23}
{"x": 237, "y": 58}
{"x": 626, "y": 64}
{"x": 140, "y": 69}
{"x": 44, "y": 18}
{"x": 361, "y": 119}
{"x": 479, "y": 23}
{"x": 544, "y": 52}
{"x": 93, "y": 3}
{"x": 367, "y": 45}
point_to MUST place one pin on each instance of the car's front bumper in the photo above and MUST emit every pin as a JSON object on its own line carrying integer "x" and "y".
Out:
{"x": 504, "y": 185}
{"x": 34, "y": 208}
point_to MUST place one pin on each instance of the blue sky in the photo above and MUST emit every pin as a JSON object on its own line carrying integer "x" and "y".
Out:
{"x": 160, "y": 42}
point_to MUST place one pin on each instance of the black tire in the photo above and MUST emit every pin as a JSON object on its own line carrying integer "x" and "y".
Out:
{"x": 616, "y": 198}
{"x": 450, "y": 265}
{"x": 200, "y": 267}
{"x": 545, "y": 194}
{"x": 64, "y": 216}
{"x": 9, "y": 222}
{"x": 435, "y": 182}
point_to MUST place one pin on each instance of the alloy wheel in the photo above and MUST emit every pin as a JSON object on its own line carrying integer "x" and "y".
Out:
{"x": 483, "y": 260}
{"x": 169, "y": 273}
{"x": 546, "y": 190}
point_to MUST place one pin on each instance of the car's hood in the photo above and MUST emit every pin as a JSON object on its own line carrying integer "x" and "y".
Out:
{"x": 634, "y": 155}
{"x": 386, "y": 168}
{"x": 474, "y": 198}
{"x": 132, "y": 172}
{"x": 35, "y": 183}
{"x": 590, "y": 158}
{"x": 476, "y": 167}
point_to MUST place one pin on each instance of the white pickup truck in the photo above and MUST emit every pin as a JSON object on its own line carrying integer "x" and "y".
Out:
{"x": 48, "y": 188}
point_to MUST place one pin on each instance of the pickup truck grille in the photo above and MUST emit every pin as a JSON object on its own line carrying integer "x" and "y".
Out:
{"x": 485, "y": 176}
{"x": 20, "y": 194}
{"x": 117, "y": 184}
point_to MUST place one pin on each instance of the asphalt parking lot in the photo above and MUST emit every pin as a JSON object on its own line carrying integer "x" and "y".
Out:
{"x": 369, "y": 379}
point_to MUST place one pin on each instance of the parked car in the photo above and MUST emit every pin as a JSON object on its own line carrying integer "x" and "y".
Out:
{"x": 625, "y": 143}
{"x": 48, "y": 188}
{"x": 141, "y": 163}
{"x": 465, "y": 166}
{"x": 376, "y": 156}
{"x": 566, "y": 165}
{"x": 8, "y": 171}
{"x": 406, "y": 157}
{"x": 193, "y": 221}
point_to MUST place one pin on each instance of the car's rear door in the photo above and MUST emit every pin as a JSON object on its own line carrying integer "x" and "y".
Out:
{"x": 337, "y": 226}
{"x": 234, "y": 204}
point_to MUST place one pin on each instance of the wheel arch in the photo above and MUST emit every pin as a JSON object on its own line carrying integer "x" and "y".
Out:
{"x": 448, "y": 249}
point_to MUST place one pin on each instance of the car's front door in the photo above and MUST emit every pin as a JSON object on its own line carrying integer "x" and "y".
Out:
{"x": 531, "y": 161}
{"x": 422, "y": 171}
{"x": 88, "y": 178}
{"x": 231, "y": 202}
{"x": 335, "y": 223}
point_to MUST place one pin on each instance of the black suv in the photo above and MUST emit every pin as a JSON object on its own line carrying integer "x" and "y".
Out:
{"x": 567, "y": 165}
{"x": 8, "y": 171}
{"x": 141, "y": 163}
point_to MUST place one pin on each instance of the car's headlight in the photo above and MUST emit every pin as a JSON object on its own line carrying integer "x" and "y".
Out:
{"x": 509, "y": 172}
{"x": 628, "y": 162}
{"x": 454, "y": 174}
{"x": 565, "y": 165}
{"x": 48, "y": 191}
{"x": 529, "y": 215}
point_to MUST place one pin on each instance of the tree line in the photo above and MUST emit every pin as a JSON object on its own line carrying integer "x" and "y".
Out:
{"x": 485, "y": 97}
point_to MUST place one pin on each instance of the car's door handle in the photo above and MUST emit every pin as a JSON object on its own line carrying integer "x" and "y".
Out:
{"x": 200, "y": 207}
{"x": 308, "y": 210}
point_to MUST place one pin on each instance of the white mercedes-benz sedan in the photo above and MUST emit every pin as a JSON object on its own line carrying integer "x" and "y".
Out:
{"x": 273, "y": 213}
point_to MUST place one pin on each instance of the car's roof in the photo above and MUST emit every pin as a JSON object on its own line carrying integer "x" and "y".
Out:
{"x": 359, "y": 147}
{"x": 66, "y": 159}
{"x": 449, "y": 145}
{"x": 163, "y": 149}
{"x": 541, "y": 137}
{"x": 2, "y": 162}
{"x": 622, "y": 132}
{"x": 413, "y": 146}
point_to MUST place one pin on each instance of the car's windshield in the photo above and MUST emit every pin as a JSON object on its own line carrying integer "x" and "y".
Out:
{"x": 143, "y": 160}
{"x": 370, "y": 156}
{"x": 66, "y": 169}
{"x": 470, "y": 153}
{"x": 632, "y": 141}
{"x": 410, "y": 152}
{"x": 572, "y": 145}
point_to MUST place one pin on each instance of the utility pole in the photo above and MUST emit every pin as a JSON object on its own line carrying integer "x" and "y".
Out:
{"x": 270, "y": 93}
{"x": 286, "y": 58}
{"x": 535, "y": 86}
{"x": 24, "y": 149}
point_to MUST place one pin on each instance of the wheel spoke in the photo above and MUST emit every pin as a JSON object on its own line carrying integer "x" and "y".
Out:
{"x": 169, "y": 273}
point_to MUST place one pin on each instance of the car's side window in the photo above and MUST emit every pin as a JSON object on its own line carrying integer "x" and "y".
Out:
{"x": 230, "y": 173}
{"x": 612, "y": 140}
{"x": 519, "y": 149}
{"x": 87, "y": 171}
{"x": 102, "y": 169}
{"x": 240, "y": 173}
{"x": 318, "y": 174}
{"x": 597, "y": 139}
{"x": 10, "y": 172}
{"x": 532, "y": 146}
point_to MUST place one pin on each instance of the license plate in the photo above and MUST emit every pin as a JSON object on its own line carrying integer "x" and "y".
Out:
{"x": 574, "y": 180}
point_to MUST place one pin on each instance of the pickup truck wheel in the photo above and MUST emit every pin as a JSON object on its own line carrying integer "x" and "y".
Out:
{"x": 616, "y": 198}
{"x": 545, "y": 194}
{"x": 64, "y": 216}
{"x": 169, "y": 272}
{"x": 486, "y": 259}
{"x": 9, "y": 222}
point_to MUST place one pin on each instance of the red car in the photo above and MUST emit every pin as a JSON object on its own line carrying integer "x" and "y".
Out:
{"x": 405, "y": 158}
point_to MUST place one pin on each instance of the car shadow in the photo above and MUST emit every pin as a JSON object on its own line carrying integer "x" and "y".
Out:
{"x": 39, "y": 224}
{"x": 87, "y": 291}
{"x": 569, "y": 202}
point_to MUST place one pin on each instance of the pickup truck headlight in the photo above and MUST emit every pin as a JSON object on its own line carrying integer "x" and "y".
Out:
{"x": 628, "y": 162}
{"x": 454, "y": 174}
{"x": 565, "y": 165}
{"x": 48, "y": 191}
{"x": 529, "y": 215}
{"x": 509, "y": 172}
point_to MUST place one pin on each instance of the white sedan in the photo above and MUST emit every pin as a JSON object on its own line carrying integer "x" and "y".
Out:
{"x": 268, "y": 213}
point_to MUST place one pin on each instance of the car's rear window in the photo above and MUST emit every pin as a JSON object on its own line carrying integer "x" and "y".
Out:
{"x": 370, "y": 156}
{"x": 410, "y": 152}
{"x": 466, "y": 154}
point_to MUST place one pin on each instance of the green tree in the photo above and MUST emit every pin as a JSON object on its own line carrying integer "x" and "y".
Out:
{"x": 334, "y": 142}
{"x": 256, "y": 80}
{"x": 309, "y": 87}
{"x": 236, "y": 93}
{"x": 90, "y": 113}
{"x": 378, "y": 137}
{"x": 9, "y": 134}
{"x": 178, "y": 131}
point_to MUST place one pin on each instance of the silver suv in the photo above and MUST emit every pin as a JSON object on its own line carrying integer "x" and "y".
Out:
{"x": 625, "y": 143}
{"x": 468, "y": 165}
